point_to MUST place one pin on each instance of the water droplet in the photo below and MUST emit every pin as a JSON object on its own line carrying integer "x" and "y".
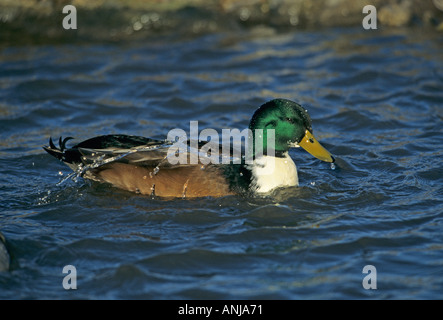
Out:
{"x": 144, "y": 18}
{"x": 332, "y": 166}
{"x": 244, "y": 14}
{"x": 156, "y": 170}
{"x": 241, "y": 174}
{"x": 137, "y": 26}
{"x": 202, "y": 167}
{"x": 155, "y": 17}
{"x": 185, "y": 187}
{"x": 313, "y": 183}
{"x": 60, "y": 173}
{"x": 145, "y": 177}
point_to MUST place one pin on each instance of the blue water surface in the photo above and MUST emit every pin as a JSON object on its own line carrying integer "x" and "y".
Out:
{"x": 376, "y": 100}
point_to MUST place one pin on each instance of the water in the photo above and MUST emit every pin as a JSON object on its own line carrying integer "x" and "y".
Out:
{"x": 376, "y": 102}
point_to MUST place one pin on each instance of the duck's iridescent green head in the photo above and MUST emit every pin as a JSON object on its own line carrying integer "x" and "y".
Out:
{"x": 292, "y": 125}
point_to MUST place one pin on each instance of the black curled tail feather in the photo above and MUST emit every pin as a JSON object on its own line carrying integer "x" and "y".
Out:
{"x": 62, "y": 143}
{"x": 60, "y": 152}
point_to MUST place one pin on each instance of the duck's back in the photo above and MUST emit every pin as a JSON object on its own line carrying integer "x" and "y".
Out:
{"x": 140, "y": 165}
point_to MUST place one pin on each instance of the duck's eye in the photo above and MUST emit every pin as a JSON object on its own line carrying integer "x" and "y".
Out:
{"x": 290, "y": 120}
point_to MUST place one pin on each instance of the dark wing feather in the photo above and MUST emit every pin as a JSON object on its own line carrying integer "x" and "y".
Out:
{"x": 107, "y": 145}
{"x": 117, "y": 141}
{"x": 128, "y": 149}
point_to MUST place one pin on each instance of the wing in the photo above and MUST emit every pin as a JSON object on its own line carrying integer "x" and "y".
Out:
{"x": 140, "y": 151}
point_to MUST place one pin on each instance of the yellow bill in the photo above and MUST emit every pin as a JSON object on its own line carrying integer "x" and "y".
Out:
{"x": 310, "y": 144}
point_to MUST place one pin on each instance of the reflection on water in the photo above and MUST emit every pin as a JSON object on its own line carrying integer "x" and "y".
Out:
{"x": 376, "y": 103}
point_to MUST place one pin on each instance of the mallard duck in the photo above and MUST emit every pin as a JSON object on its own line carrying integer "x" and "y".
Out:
{"x": 141, "y": 164}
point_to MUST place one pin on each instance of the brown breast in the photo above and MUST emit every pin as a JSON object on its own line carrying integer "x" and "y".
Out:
{"x": 185, "y": 181}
